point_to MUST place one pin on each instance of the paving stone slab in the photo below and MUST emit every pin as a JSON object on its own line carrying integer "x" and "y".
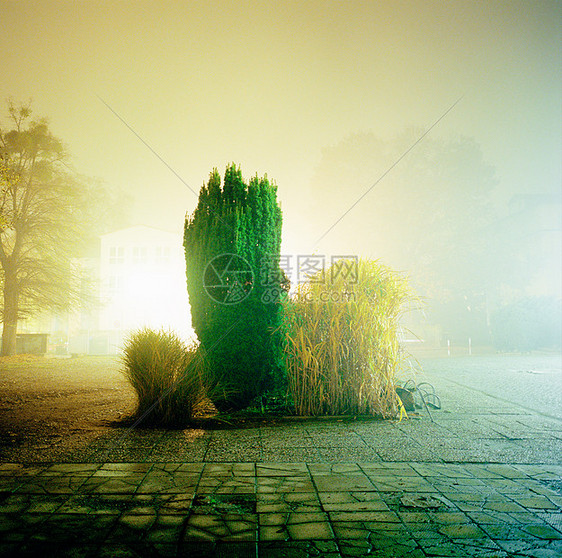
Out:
{"x": 402, "y": 508}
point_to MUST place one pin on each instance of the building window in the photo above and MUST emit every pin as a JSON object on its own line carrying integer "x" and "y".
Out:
{"x": 115, "y": 284}
{"x": 139, "y": 255}
{"x": 162, "y": 254}
{"x": 116, "y": 255}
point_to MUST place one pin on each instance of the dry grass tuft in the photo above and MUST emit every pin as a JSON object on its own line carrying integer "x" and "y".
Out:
{"x": 166, "y": 375}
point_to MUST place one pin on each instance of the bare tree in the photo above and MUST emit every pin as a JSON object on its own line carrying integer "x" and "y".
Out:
{"x": 43, "y": 206}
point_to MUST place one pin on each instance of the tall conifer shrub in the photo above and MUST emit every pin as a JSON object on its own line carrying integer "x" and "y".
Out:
{"x": 232, "y": 245}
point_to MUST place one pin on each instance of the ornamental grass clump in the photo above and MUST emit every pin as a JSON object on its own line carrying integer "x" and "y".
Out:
{"x": 166, "y": 375}
{"x": 342, "y": 347}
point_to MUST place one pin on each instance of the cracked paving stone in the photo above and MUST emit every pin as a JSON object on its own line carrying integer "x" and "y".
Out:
{"x": 345, "y": 483}
{"x": 14, "y": 503}
{"x": 130, "y": 528}
{"x": 554, "y": 519}
{"x": 354, "y": 547}
{"x": 227, "y": 527}
{"x": 465, "y": 502}
{"x": 547, "y": 488}
{"x": 295, "y": 526}
{"x": 522, "y": 532}
{"x": 393, "y": 484}
{"x": 435, "y": 518}
{"x": 502, "y": 506}
{"x": 227, "y": 485}
{"x": 394, "y": 502}
{"x": 388, "y": 470}
{"x": 462, "y": 531}
{"x": 112, "y": 485}
{"x": 352, "y": 501}
{"x": 224, "y": 503}
{"x": 384, "y": 517}
{"x": 284, "y": 484}
{"x": 368, "y": 530}
{"x": 52, "y": 485}
{"x": 299, "y": 549}
{"x": 421, "y": 501}
{"x": 396, "y": 539}
{"x": 122, "y": 469}
{"x": 334, "y": 468}
{"x": 228, "y": 470}
{"x": 543, "y": 532}
{"x": 536, "y": 502}
{"x": 313, "y": 530}
{"x": 441, "y": 470}
{"x": 498, "y": 470}
{"x": 110, "y": 504}
{"x": 282, "y": 470}
{"x": 168, "y": 483}
{"x": 166, "y": 529}
{"x": 48, "y": 504}
{"x": 9, "y": 485}
{"x": 136, "y": 549}
{"x": 75, "y": 469}
{"x": 175, "y": 503}
{"x": 21, "y": 469}
{"x": 534, "y": 549}
{"x": 495, "y": 518}
{"x": 172, "y": 468}
{"x": 449, "y": 484}
{"x": 288, "y": 502}
{"x": 33, "y": 503}
{"x": 350, "y": 530}
{"x": 359, "y": 548}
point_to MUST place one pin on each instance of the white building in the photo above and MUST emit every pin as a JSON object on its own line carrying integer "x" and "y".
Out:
{"x": 141, "y": 283}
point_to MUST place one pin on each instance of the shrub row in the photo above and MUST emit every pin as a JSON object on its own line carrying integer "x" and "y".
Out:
{"x": 330, "y": 348}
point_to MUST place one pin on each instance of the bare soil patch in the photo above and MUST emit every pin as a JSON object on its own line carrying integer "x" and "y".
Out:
{"x": 55, "y": 406}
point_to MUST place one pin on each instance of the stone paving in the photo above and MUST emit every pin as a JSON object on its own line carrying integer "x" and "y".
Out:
{"x": 280, "y": 509}
{"x": 483, "y": 478}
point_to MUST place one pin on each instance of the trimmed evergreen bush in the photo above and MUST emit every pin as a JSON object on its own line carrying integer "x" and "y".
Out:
{"x": 232, "y": 245}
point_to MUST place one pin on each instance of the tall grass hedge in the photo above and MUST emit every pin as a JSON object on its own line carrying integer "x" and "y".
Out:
{"x": 342, "y": 348}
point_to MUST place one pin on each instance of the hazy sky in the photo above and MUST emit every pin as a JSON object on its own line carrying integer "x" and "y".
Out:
{"x": 270, "y": 84}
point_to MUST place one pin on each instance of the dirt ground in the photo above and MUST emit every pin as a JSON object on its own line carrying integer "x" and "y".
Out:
{"x": 50, "y": 404}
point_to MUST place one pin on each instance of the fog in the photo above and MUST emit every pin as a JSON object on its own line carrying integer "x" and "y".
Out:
{"x": 334, "y": 101}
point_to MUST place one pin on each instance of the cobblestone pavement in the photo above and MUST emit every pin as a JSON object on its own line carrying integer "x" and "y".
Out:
{"x": 481, "y": 477}
{"x": 280, "y": 509}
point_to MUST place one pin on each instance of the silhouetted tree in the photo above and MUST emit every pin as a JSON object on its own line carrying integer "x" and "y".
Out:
{"x": 429, "y": 216}
{"x": 45, "y": 216}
